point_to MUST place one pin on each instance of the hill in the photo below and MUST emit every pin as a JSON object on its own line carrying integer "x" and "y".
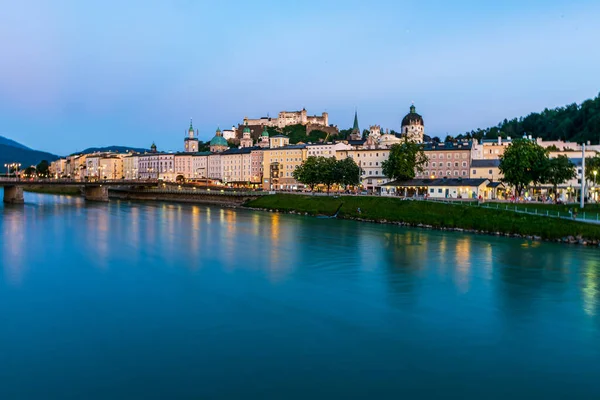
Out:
{"x": 115, "y": 149}
{"x": 573, "y": 122}
{"x": 9, "y": 142}
{"x": 24, "y": 156}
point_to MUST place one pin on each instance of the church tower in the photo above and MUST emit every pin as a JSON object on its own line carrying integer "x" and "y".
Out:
{"x": 355, "y": 135}
{"x": 413, "y": 127}
{"x": 190, "y": 143}
{"x": 264, "y": 138}
{"x": 246, "y": 140}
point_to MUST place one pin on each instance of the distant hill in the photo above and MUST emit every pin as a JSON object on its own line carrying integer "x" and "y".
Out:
{"x": 115, "y": 149}
{"x": 24, "y": 156}
{"x": 9, "y": 142}
{"x": 574, "y": 122}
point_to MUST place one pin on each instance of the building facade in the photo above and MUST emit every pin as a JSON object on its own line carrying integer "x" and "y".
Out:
{"x": 450, "y": 160}
{"x": 287, "y": 118}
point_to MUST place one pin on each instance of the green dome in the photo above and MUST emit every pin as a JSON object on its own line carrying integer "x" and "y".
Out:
{"x": 218, "y": 141}
{"x": 246, "y": 129}
{"x": 265, "y": 132}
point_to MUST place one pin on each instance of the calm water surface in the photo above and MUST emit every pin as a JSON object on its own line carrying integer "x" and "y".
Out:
{"x": 153, "y": 300}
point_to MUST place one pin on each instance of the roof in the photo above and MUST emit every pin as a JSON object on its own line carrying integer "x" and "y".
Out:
{"x": 495, "y": 184}
{"x": 218, "y": 141}
{"x": 445, "y": 146}
{"x": 279, "y": 136}
{"x": 484, "y": 163}
{"x": 355, "y": 125}
{"x": 358, "y": 142}
{"x": 412, "y": 118}
{"x": 437, "y": 182}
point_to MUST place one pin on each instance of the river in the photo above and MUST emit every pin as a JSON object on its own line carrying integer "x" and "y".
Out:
{"x": 156, "y": 300}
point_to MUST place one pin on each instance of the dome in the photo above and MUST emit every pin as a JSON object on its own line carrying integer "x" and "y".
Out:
{"x": 218, "y": 141}
{"x": 412, "y": 118}
{"x": 265, "y": 132}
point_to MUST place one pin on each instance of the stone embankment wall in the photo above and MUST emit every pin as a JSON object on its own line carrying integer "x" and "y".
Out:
{"x": 204, "y": 198}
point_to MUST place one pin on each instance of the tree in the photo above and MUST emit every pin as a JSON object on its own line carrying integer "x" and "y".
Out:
{"x": 522, "y": 163}
{"x": 365, "y": 133}
{"x": 327, "y": 171}
{"x": 347, "y": 173}
{"x": 592, "y": 164}
{"x": 43, "y": 168}
{"x": 29, "y": 171}
{"x": 308, "y": 172}
{"x": 404, "y": 160}
{"x": 559, "y": 170}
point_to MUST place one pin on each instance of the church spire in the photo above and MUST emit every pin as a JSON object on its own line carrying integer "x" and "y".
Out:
{"x": 355, "y": 128}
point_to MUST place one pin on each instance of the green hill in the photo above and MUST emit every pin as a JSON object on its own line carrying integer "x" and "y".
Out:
{"x": 574, "y": 122}
{"x": 24, "y": 156}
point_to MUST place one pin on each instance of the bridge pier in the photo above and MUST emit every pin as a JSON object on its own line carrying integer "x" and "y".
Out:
{"x": 96, "y": 193}
{"x": 13, "y": 194}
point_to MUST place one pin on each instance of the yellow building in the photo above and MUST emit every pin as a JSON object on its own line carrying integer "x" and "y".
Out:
{"x": 278, "y": 165}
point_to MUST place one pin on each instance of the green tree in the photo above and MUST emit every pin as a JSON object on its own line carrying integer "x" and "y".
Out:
{"x": 592, "y": 164}
{"x": 29, "y": 171}
{"x": 43, "y": 168}
{"x": 308, "y": 172}
{"x": 559, "y": 170}
{"x": 327, "y": 171}
{"x": 404, "y": 160}
{"x": 522, "y": 163}
{"x": 347, "y": 173}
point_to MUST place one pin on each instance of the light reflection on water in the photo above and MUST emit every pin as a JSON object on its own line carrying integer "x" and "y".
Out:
{"x": 317, "y": 306}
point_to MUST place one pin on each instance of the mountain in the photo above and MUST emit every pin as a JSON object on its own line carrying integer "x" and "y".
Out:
{"x": 574, "y": 122}
{"x": 22, "y": 155}
{"x": 115, "y": 149}
{"x": 9, "y": 142}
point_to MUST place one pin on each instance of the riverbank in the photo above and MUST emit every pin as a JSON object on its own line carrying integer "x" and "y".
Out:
{"x": 434, "y": 216}
{"x": 62, "y": 190}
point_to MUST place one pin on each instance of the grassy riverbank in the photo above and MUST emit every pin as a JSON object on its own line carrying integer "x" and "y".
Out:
{"x": 437, "y": 215}
{"x": 65, "y": 190}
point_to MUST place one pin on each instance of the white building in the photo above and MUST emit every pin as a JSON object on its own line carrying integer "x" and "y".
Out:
{"x": 184, "y": 165}
{"x": 131, "y": 166}
{"x": 326, "y": 149}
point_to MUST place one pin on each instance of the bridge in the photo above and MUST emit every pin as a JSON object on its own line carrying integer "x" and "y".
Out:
{"x": 92, "y": 190}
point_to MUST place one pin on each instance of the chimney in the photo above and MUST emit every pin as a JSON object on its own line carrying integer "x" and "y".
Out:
{"x": 499, "y": 140}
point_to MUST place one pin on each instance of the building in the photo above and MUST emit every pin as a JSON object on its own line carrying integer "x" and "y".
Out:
{"x": 326, "y": 149}
{"x": 214, "y": 166}
{"x": 58, "y": 168}
{"x": 218, "y": 143}
{"x": 111, "y": 167}
{"x": 355, "y": 134}
{"x": 264, "y": 139}
{"x": 486, "y": 169}
{"x": 279, "y": 163}
{"x": 286, "y": 118}
{"x": 412, "y": 126}
{"x": 184, "y": 168}
{"x": 278, "y": 141}
{"x": 450, "y": 159}
{"x": 131, "y": 166}
{"x": 229, "y": 134}
{"x": 200, "y": 165}
{"x": 241, "y": 166}
{"x": 440, "y": 188}
{"x": 190, "y": 143}
{"x": 246, "y": 140}
{"x": 370, "y": 162}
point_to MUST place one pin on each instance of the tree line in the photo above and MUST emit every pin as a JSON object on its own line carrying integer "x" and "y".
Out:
{"x": 327, "y": 171}
{"x": 574, "y": 122}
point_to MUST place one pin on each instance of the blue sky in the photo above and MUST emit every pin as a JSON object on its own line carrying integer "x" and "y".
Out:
{"x": 76, "y": 74}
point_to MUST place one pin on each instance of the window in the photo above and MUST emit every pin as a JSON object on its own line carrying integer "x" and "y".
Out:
{"x": 455, "y": 173}
{"x": 433, "y": 164}
{"x": 431, "y": 190}
{"x": 448, "y": 173}
{"x": 464, "y": 164}
{"x": 448, "y": 165}
{"x": 490, "y": 172}
{"x": 439, "y": 190}
{"x": 433, "y": 173}
{"x": 464, "y": 173}
{"x": 370, "y": 172}
{"x": 456, "y": 164}
{"x": 474, "y": 172}
{"x": 441, "y": 156}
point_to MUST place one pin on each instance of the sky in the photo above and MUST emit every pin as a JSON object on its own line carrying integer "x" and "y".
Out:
{"x": 77, "y": 74}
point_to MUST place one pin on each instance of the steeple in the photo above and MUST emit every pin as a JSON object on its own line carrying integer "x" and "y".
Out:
{"x": 412, "y": 108}
{"x": 191, "y": 130}
{"x": 191, "y": 127}
{"x": 355, "y": 126}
